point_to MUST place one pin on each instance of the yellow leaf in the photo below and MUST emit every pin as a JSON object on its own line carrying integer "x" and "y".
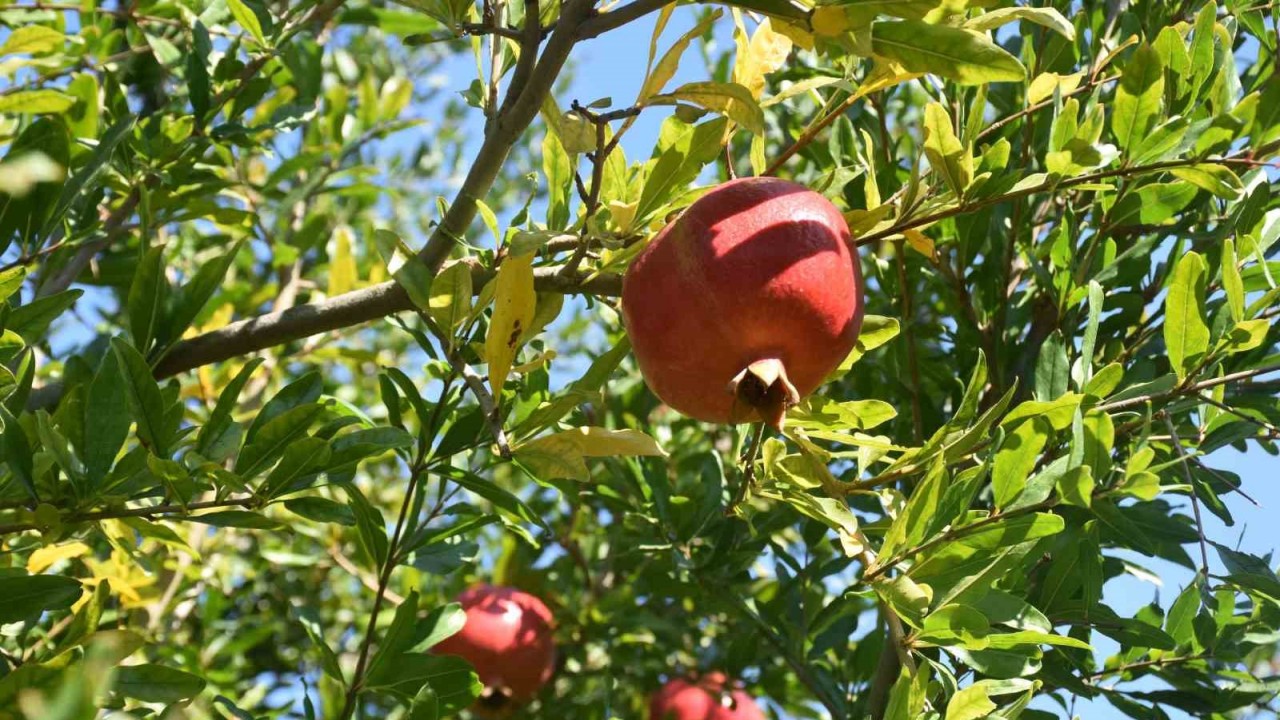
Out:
{"x": 666, "y": 67}
{"x": 730, "y": 99}
{"x": 918, "y": 240}
{"x": 1045, "y": 84}
{"x": 513, "y": 310}
{"x": 623, "y": 215}
{"x": 947, "y": 155}
{"x": 562, "y": 455}
{"x": 450, "y": 301}
{"x": 766, "y": 52}
{"x": 342, "y": 264}
{"x": 830, "y": 21}
{"x": 543, "y": 358}
{"x": 45, "y": 557}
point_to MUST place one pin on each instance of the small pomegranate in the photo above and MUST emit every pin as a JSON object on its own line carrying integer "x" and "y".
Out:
{"x": 707, "y": 698}
{"x": 745, "y": 302}
{"x": 507, "y": 639}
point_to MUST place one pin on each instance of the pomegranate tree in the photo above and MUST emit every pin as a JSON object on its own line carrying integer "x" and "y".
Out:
{"x": 707, "y": 698}
{"x": 744, "y": 303}
{"x": 507, "y": 638}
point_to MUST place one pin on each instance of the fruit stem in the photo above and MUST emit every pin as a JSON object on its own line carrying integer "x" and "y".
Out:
{"x": 748, "y": 469}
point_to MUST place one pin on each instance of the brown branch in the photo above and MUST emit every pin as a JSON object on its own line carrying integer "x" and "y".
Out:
{"x": 1160, "y": 662}
{"x": 346, "y": 310}
{"x": 519, "y": 109}
{"x": 112, "y": 229}
{"x": 1190, "y": 389}
{"x": 604, "y": 22}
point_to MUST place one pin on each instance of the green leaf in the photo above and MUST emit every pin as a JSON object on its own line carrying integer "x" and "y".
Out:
{"x": 370, "y": 525}
{"x": 730, "y": 99}
{"x": 198, "y": 71}
{"x": 1152, "y": 204}
{"x": 147, "y": 297}
{"x": 970, "y": 703}
{"x": 303, "y": 391}
{"x": 197, "y": 293}
{"x": 1186, "y": 335}
{"x": 679, "y": 163}
{"x": 33, "y": 39}
{"x": 1137, "y": 101}
{"x": 454, "y": 682}
{"x": 1015, "y": 460}
{"x": 236, "y": 519}
{"x": 89, "y": 172}
{"x": 407, "y": 268}
{"x": 32, "y": 320}
{"x": 248, "y": 20}
{"x": 299, "y": 459}
{"x": 220, "y": 419}
{"x": 967, "y": 57}
{"x": 274, "y": 437}
{"x": 1043, "y": 16}
{"x": 310, "y": 620}
{"x": 36, "y": 102}
{"x": 1231, "y": 281}
{"x": 1249, "y": 571}
{"x": 907, "y": 697}
{"x": 144, "y": 399}
{"x": 876, "y": 331}
{"x": 956, "y": 625}
{"x": 106, "y": 420}
{"x": 157, "y": 683}
{"x": 321, "y": 510}
{"x": 1053, "y": 369}
{"x": 910, "y": 525}
{"x": 450, "y": 301}
{"x": 24, "y": 596}
{"x": 11, "y": 281}
{"x": 823, "y": 413}
{"x": 1247, "y": 335}
{"x": 1214, "y": 178}
{"x": 947, "y": 155}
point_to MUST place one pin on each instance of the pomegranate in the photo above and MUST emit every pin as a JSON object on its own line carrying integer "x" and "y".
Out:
{"x": 507, "y": 639}
{"x": 745, "y": 302}
{"x": 707, "y": 698}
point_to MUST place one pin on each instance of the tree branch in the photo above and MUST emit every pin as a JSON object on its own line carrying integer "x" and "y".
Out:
{"x": 519, "y": 110}
{"x": 604, "y": 22}
{"x": 346, "y": 310}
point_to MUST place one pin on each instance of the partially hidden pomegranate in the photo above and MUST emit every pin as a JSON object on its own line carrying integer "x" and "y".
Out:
{"x": 707, "y": 698}
{"x": 745, "y": 302}
{"x": 508, "y": 640}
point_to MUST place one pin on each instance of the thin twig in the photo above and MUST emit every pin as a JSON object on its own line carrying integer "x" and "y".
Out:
{"x": 183, "y": 513}
{"x": 748, "y": 469}
{"x": 1203, "y": 385}
{"x": 1195, "y": 500}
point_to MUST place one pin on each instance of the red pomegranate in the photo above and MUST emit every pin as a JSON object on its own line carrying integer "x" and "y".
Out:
{"x": 707, "y": 698}
{"x": 745, "y": 303}
{"x": 507, "y": 639}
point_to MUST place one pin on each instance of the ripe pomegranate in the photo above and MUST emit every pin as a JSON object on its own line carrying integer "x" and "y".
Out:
{"x": 707, "y": 698}
{"x": 745, "y": 302}
{"x": 507, "y": 639}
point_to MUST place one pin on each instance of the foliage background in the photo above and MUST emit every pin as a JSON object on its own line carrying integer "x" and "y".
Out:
{"x": 249, "y": 602}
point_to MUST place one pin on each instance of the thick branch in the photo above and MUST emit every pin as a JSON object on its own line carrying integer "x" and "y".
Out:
{"x": 605, "y": 22}
{"x": 346, "y": 310}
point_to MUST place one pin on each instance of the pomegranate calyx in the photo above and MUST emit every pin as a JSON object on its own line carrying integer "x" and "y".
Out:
{"x": 763, "y": 391}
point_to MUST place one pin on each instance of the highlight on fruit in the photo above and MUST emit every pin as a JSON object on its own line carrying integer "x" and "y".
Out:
{"x": 508, "y": 639}
{"x": 745, "y": 303}
{"x": 710, "y": 697}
